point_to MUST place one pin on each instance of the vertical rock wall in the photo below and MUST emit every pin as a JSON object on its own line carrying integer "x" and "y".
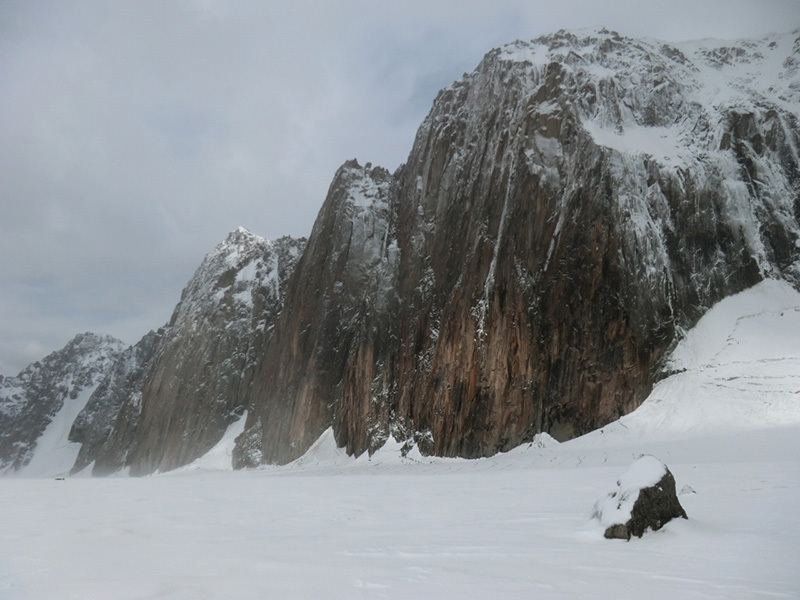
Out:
{"x": 564, "y": 211}
{"x": 203, "y": 367}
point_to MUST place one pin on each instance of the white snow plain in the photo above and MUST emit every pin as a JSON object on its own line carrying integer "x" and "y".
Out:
{"x": 517, "y": 525}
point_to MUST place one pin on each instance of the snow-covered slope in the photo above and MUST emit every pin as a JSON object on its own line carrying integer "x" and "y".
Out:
{"x": 54, "y": 454}
{"x": 738, "y": 370}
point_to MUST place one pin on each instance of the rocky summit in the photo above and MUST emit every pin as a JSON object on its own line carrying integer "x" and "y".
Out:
{"x": 170, "y": 397}
{"x": 565, "y": 212}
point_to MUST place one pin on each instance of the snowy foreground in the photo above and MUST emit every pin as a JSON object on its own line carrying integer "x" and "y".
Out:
{"x": 513, "y": 526}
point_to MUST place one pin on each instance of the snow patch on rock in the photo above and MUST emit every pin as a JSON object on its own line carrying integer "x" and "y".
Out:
{"x": 615, "y": 507}
{"x": 55, "y": 454}
{"x": 220, "y": 456}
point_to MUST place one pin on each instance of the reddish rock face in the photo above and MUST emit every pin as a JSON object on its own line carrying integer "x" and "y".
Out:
{"x": 344, "y": 283}
{"x": 527, "y": 269}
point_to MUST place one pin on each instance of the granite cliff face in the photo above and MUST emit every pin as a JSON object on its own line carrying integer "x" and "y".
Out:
{"x": 46, "y": 396}
{"x": 203, "y": 365}
{"x": 105, "y": 427}
{"x": 565, "y": 211}
{"x": 338, "y": 301}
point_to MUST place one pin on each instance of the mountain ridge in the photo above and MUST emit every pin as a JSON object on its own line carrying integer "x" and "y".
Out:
{"x": 566, "y": 211}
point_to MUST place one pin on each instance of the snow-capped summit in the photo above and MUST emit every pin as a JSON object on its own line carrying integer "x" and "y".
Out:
{"x": 710, "y": 72}
{"x": 237, "y": 256}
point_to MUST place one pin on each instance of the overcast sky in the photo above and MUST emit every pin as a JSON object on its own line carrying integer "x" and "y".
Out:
{"x": 134, "y": 135}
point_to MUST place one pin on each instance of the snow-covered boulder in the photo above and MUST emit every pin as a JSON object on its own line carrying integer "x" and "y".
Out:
{"x": 643, "y": 498}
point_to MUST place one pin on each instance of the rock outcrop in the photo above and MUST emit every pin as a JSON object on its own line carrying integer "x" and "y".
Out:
{"x": 565, "y": 211}
{"x": 339, "y": 307}
{"x": 643, "y": 499}
{"x": 58, "y": 385}
{"x": 105, "y": 427}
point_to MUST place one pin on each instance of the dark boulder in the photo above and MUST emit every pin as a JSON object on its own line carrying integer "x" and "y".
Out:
{"x": 643, "y": 498}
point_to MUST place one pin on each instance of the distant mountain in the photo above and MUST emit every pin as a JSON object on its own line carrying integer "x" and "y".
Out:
{"x": 38, "y": 406}
{"x": 567, "y": 211}
{"x": 166, "y": 400}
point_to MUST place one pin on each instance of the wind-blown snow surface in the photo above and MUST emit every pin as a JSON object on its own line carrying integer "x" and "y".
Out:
{"x": 512, "y": 526}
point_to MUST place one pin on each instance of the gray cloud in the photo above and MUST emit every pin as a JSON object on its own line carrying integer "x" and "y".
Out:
{"x": 135, "y": 135}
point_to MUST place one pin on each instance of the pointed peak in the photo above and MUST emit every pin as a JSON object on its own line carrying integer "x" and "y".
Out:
{"x": 241, "y": 233}
{"x": 238, "y": 240}
{"x": 89, "y": 339}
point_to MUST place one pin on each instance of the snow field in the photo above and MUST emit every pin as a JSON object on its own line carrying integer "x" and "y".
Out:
{"x": 436, "y": 530}
{"x": 516, "y": 525}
